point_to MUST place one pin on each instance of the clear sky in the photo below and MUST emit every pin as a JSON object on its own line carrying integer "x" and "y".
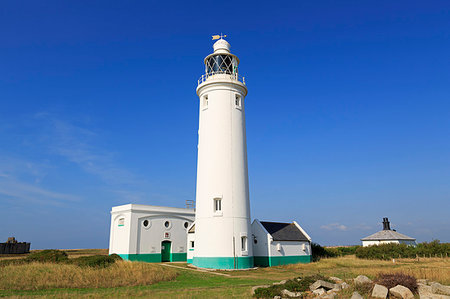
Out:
{"x": 348, "y": 113}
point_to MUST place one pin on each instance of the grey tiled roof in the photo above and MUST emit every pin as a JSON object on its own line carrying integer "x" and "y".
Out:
{"x": 284, "y": 231}
{"x": 387, "y": 235}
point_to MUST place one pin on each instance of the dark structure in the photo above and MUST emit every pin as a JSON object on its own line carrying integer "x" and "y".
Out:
{"x": 386, "y": 225}
{"x": 13, "y": 247}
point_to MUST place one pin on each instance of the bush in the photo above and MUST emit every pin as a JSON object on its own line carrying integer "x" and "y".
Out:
{"x": 319, "y": 252}
{"x": 47, "y": 256}
{"x": 391, "y": 280}
{"x": 391, "y": 250}
{"x": 299, "y": 284}
{"x": 96, "y": 261}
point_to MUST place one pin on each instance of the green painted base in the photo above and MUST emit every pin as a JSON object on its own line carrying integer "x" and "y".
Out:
{"x": 270, "y": 261}
{"x": 244, "y": 262}
{"x": 189, "y": 261}
{"x": 148, "y": 257}
{"x": 178, "y": 257}
{"x": 153, "y": 257}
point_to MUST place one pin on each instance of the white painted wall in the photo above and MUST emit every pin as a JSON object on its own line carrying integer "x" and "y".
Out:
{"x": 261, "y": 248}
{"x": 222, "y": 170}
{"x": 190, "y": 238}
{"x": 290, "y": 248}
{"x": 378, "y": 242}
{"x": 134, "y": 238}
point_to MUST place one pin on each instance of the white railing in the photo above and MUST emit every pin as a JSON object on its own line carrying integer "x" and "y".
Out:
{"x": 235, "y": 76}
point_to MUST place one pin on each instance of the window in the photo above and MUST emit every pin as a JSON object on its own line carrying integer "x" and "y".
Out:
{"x": 217, "y": 204}
{"x": 167, "y": 224}
{"x": 238, "y": 102}
{"x": 205, "y": 102}
{"x": 186, "y": 224}
{"x": 146, "y": 223}
{"x": 192, "y": 244}
{"x": 121, "y": 222}
{"x": 243, "y": 243}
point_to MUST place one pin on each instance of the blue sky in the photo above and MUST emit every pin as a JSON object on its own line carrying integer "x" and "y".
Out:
{"x": 348, "y": 113}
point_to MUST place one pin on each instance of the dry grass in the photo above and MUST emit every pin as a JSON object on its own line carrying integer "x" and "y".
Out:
{"x": 436, "y": 269}
{"x": 36, "y": 276}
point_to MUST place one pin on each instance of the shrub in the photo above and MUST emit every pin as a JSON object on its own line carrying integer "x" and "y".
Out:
{"x": 391, "y": 280}
{"x": 299, "y": 284}
{"x": 319, "y": 252}
{"x": 96, "y": 261}
{"x": 47, "y": 256}
{"x": 391, "y": 250}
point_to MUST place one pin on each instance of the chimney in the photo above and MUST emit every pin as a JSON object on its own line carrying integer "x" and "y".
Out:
{"x": 386, "y": 225}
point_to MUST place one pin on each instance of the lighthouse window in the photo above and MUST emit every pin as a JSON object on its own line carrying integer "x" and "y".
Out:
{"x": 238, "y": 102}
{"x": 219, "y": 64}
{"x": 244, "y": 243}
{"x": 205, "y": 102}
{"x": 217, "y": 204}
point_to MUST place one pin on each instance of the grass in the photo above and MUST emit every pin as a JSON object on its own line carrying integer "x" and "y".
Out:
{"x": 126, "y": 279}
{"x": 37, "y": 276}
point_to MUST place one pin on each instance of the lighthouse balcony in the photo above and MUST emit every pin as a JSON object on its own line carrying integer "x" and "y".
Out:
{"x": 221, "y": 75}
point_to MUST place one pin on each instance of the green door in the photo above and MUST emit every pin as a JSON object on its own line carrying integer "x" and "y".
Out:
{"x": 165, "y": 251}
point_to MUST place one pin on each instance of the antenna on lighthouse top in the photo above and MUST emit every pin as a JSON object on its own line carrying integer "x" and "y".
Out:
{"x": 221, "y": 36}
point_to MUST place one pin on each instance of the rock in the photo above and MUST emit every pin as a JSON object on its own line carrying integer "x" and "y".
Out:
{"x": 361, "y": 279}
{"x": 344, "y": 285}
{"x": 319, "y": 292}
{"x": 356, "y": 295}
{"x": 322, "y": 284}
{"x": 279, "y": 283}
{"x": 379, "y": 291}
{"x": 402, "y": 292}
{"x": 336, "y": 279}
{"x": 291, "y": 294}
{"x": 426, "y": 293}
{"x": 438, "y": 288}
{"x": 328, "y": 296}
{"x": 277, "y": 297}
{"x": 423, "y": 281}
{"x": 259, "y": 287}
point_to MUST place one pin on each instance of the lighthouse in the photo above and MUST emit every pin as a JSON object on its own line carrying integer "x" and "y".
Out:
{"x": 223, "y": 238}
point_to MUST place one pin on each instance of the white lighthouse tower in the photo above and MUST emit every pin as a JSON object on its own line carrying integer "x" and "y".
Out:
{"x": 222, "y": 220}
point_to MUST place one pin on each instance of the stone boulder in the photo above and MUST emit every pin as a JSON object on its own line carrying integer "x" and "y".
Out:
{"x": 279, "y": 283}
{"x": 336, "y": 279}
{"x": 426, "y": 293}
{"x": 361, "y": 279}
{"x": 401, "y": 292}
{"x": 323, "y": 284}
{"x": 259, "y": 287}
{"x": 291, "y": 294}
{"x": 380, "y": 291}
{"x": 438, "y": 288}
{"x": 356, "y": 295}
{"x": 319, "y": 292}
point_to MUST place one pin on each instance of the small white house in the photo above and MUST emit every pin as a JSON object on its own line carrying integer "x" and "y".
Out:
{"x": 387, "y": 236}
{"x": 276, "y": 243}
{"x": 150, "y": 233}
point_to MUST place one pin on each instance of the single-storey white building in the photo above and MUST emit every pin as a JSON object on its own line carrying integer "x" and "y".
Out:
{"x": 276, "y": 243}
{"x": 150, "y": 233}
{"x": 387, "y": 235}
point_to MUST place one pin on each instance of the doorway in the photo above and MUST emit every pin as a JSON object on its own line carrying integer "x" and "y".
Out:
{"x": 165, "y": 251}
